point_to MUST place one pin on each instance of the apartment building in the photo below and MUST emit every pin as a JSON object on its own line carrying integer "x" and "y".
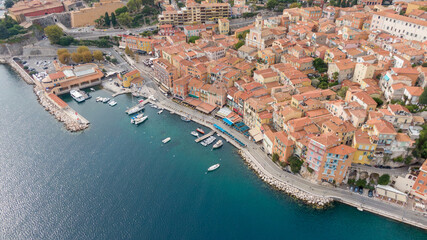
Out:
{"x": 195, "y": 13}
{"x": 165, "y": 72}
{"x": 401, "y": 26}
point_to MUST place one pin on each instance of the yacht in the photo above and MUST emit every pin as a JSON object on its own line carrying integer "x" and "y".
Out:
{"x": 105, "y": 100}
{"x": 135, "y": 109}
{"x": 140, "y": 120}
{"x": 213, "y": 167}
{"x": 77, "y": 96}
{"x": 194, "y": 133}
{"x": 112, "y": 103}
{"x": 99, "y": 99}
{"x": 139, "y": 116}
{"x": 200, "y": 130}
{"x": 208, "y": 141}
{"x": 217, "y": 144}
{"x": 160, "y": 112}
{"x": 166, "y": 140}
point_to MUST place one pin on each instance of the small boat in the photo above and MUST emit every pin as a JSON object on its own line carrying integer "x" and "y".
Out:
{"x": 200, "y": 130}
{"x": 112, "y": 103}
{"x": 99, "y": 99}
{"x": 185, "y": 119}
{"x": 105, "y": 100}
{"x": 78, "y": 97}
{"x": 166, "y": 140}
{"x": 172, "y": 112}
{"x": 360, "y": 209}
{"x": 194, "y": 133}
{"x": 213, "y": 167}
{"x": 139, "y": 116}
{"x": 154, "y": 106}
{"x": 208, "y": 141}
{"x": 135, "y": 109}
{"x": 92, "y": 89}
{"x": 160, "y": 112}
{"x": 140, "y": 120}
{"x": 217, "y": 144}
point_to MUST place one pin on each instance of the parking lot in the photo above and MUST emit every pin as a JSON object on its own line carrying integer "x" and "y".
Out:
{"x": 42, "y": 64}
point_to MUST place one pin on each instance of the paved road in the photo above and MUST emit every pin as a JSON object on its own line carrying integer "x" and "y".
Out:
{"x": 404, "y": 214}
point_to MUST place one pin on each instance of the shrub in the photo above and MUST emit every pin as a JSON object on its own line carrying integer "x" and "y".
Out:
{"x": 275, "y": 157}
{"x": 384, "y": 179}
{"x": 361, "y": 183}
{"x": 295, "y": 164}
{"x": 379, "y": 101}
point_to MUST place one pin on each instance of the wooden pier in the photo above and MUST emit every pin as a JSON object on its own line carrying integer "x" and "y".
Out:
{"x": 204, "y": 136}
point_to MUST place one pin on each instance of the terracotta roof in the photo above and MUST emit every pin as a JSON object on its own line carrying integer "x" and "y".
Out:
{"x": 56, "y": 75}
{"x": 342, "y": 150}
{"x": 415, "y": 91}
{"x": 57, "y": 100}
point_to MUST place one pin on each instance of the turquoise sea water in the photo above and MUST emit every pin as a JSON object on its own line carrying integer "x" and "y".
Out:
{"x": 118, "y": 181}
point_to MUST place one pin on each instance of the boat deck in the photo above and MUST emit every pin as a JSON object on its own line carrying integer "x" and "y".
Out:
{"x": 204, "y": 136}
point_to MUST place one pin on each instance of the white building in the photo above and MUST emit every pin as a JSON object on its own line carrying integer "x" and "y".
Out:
{"x": 404, "y": 27}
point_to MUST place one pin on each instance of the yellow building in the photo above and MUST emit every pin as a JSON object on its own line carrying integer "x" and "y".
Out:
{"x": 364, "y": 146}
{"x": 195, "y": 13}
{"x": 136, "y": 43}
{"x": 132, "y": 77}
{"x": 223, "y": 26}
{"x": 87, "y": 16}
{"x": 415, "y": 5}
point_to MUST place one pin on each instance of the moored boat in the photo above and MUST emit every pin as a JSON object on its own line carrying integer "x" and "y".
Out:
{"x": 208, "y": 141}
{"x": 78, "y": 97}
{"x": 139, "y": 116}
{"x": 160, "y": 112}
{"x": 166, "y": 140}
{"x": 194, "y": 133}
{"x": 200, "y": 130}
{"x": 112, "y": 103}
{"x": 185, "y": 119}
{"x": 99, "y": 99}
{"x": 135, "y": 109}
{"x": 140, "y": 120}
{"x": 105, "y": 100}
{"x": 213, "y": 167}
{"x": 217, "y": 144}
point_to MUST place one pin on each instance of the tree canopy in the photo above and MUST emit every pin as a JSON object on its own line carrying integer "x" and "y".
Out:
{"x": 54, "y": 33}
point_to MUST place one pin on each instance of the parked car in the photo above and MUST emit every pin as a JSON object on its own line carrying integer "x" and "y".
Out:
{"x": 356, "y": 189}
{"x": 351, "y": 188}
{"x": 371, "y": 193}
{"x": 361, "y": 190}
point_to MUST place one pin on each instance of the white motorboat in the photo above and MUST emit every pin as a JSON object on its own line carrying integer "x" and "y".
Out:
{"x": 140, "y": 120}
{"x": 135, "y": 109}
{"x": 217, "y": 144}
{"x": 78, "y": 97}
{"x": 208, "y": 141}
{"x": 194, "y": 133}
{"x": 139, "y": 116}
{"x": 105, "y": 100}
{"x": 185, "y": 119}
{"x": 112, "y": 103}
{"x": 166, "y": 140}
{"x": 92, "y": 89}
{"x": 154, "y": 106}
{"x": 160, "y": 112}
{"x": 99, "y": 99}
{"x": 360, "y": 209}
{"x": 213, "y": 167}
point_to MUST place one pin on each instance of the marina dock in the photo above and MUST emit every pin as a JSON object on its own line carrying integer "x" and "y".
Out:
{"x": 204, "y": 136}
{"x": 122, "y": 92}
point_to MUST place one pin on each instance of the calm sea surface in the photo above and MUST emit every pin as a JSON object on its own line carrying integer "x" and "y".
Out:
{"x": 118, "y": 181}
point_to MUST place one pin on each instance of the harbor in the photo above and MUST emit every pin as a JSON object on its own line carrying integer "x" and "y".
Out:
{"x": 116, "y": 181}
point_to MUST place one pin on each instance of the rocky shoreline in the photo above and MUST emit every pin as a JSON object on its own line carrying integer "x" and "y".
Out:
{"x": 70, "y": 124}
{"x": 310, "y": 199}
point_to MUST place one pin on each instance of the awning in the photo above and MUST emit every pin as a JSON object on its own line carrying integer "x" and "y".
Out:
{"x": 256, "y": 134}
{"x": 227, "y": 121}
{"x": 223, "y": 112}
{"x": 206, "y": 108}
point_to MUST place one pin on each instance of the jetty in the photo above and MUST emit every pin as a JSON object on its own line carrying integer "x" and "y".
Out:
{"x": 204, "y": 136}
{"x": 122, "y": 92}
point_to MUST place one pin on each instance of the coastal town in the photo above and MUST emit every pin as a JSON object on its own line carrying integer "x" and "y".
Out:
{"x": 324, "y": 100}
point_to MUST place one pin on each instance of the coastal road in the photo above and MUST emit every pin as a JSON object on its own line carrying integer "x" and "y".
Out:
{"x": 270, "y": 169}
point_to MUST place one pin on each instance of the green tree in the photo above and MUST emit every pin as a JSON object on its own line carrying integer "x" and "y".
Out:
{"x": 113, "y": 19}
{"x": 275, "y": 157}
{"x": 66, "y": 41}
{"x": 271, "y": 4}
{"x": 342, "y": 92}
{"x": 295, "y": 5}
{"x": 384, "y": 179}
{"x": 54, "y": 33}
{"x": 335, "y": 76}
{"x": 295, "y": 164}
{"x": 8, "y": 3}
{"x": 107, "y": 20}
{"x": 361, "y": 183}
{"x": 128, "y": 51}
{"x": 121, "y": 10}
{"x": 193, "y": 39}
{"x": 379, "y": 101}
{"x": 239, "y": 44}
{"x": 423, "y": 97}
{"x": 125, "y": 19}
{"x": 98, "y": 55}
{"x": 320, "y": 65}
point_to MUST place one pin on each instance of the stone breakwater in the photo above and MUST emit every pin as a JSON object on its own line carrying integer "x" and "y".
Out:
{"x": 62, "y": 115}
{"x": 310, "y": 199}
